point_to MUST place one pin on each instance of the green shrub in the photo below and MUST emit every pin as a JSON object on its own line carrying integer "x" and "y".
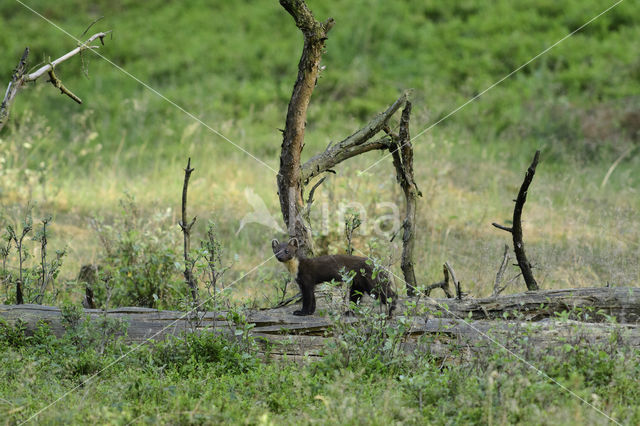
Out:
{"x": 141, "y": 265}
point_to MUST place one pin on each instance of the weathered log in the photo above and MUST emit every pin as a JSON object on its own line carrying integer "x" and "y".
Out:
{"x": 590, "y": 304}
{"x": 462, "y": 325}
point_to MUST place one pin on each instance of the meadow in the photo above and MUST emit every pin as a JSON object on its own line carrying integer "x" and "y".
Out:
{"x": 109, "y": 172}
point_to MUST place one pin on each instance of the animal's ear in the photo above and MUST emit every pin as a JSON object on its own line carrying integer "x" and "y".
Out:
{"x": 294, "y": 242}
{"x": 274, "y": 244}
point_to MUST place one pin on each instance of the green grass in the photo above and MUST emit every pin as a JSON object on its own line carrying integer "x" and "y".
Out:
{"x": 233, "y": 66}
{"x": 208, "y": 379}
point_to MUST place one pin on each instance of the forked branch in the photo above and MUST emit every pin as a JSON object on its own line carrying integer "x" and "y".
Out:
{"x": 356, "y": 144}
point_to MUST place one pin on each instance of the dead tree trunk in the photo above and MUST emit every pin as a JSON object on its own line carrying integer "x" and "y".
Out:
{"x": 402, "y": 152}
{"x": 289, "y": 178}
{"x": 516, "y": 229}
{"x": 293, "y": 175}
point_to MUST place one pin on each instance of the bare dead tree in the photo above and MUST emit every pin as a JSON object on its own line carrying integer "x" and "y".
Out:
{"x": 186, "y": 232}
{"x": 293, "y": 175}
{"x": 402, "y": 152}
{"x": 516, "y": 229}
{"x": 20, "y": 77}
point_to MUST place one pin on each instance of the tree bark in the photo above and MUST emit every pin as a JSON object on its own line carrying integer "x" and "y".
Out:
{"x": 289, "y": 177}
{"x": 402, "y": 152}
{"x": 293, "y": 175}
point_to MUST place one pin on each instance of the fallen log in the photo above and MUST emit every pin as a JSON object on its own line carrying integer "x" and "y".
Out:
{"x": 540, "y": 319}
{"x": 586, "y": 304}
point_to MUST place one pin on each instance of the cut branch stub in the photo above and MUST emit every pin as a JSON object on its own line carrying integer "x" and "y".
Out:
{"x": 516, "y": 229}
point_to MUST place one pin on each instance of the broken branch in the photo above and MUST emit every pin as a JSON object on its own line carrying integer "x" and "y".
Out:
{"x": 53, "y": 78}
{"x": 186, "y": 231}
{"x": 456, "y": 283}
{"x": 20, "y": 78}
{"x": 516, "y": 229}
{"x": 356, "y": 144}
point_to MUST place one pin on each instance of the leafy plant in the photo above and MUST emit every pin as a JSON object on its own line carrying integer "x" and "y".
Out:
{"x": 140, "y": 264}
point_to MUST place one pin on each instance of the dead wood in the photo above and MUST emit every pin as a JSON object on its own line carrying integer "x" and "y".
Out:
{"x": 186, "y": 232}
{"x": 444, "y": 284}
{"x": 456, "y": 283}
{"x": 293, "y": 175}
{"x": 534, "y": 315}
{"x": 289, "y": 177}
{"x": 402, "y": 153}
{"x": 356, "y": 144}
{"x": 20, "y": 77}
{"x": 516, "y": 229}
{"x": 594, "y": 304}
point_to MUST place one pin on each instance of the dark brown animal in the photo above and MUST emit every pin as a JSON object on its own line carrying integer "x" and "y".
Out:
{"x": 308, "y": 272}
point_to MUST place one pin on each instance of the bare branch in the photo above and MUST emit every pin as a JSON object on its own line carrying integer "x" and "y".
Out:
{"x": 456, "y": 283}
{"x": 53, "y": 78}
{"x": 83, "y": 46}
{"x": 186, "y": 231}
{"x": 20, "y": 78}
{"x": 12, "y": 89}
{"x": 402, "y": 152}
{"x": 356, "y": 144}
{"x": 289, "y": 178}
{"x": 518, "y": 244}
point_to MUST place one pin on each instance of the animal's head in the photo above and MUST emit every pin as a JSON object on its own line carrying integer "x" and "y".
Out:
{"x": 285, "y": 251}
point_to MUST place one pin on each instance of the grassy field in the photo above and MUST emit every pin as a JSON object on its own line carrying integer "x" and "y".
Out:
{"x": 110, "y": 171}
{"x": 578, "y": 103}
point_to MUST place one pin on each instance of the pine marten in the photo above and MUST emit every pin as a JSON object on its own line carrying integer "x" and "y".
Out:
{"x": 308, "y": 272}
